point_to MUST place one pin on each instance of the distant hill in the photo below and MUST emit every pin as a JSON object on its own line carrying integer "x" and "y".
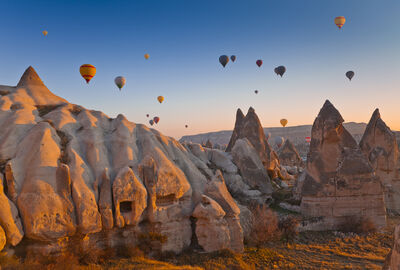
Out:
{"x": 296, "y": 134}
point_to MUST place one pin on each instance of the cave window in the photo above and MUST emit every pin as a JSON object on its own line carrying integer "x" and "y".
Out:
{"x": 125, "y": 207}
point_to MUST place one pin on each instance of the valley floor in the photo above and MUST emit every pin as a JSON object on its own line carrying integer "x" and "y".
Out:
{"x": 311, "y": 250}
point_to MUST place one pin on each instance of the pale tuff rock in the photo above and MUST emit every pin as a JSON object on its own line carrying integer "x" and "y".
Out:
{"x": 130, "y": 198}
{"x": 339, "y": 181}
{"x": 379, "y": 144}
{"x": 211, "y": 228}
{"x": 250, "y": 166}
{"x": 9, "y": 219}
{"x": 106, "y": 201}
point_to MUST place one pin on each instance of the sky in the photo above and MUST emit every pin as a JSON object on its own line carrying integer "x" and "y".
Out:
{"x": 185, "y": 38}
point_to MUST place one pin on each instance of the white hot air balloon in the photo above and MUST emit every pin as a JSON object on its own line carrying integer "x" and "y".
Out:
{"x": 120, "y": 82}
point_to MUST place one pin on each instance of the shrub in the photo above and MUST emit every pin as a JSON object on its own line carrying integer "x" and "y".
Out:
{"x": 288, "y": 228}
{"x": 151, "y": 242}
{"x": 359, "y": 225}
{"x": 264, "y": 225}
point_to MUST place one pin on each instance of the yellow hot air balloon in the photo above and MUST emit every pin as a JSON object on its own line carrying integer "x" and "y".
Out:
{"x": 87, "y": 71}
{"x": 284, "y": 122}
{"x": 147, "y": 56}
{"x": 339, "y": 21}
{"x": 160, "y": 99}
{"x": 45, "y": 33}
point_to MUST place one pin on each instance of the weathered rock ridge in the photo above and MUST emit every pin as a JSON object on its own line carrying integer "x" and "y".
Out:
{"x": 72, "y": 172}
{"x": 339, "y": 180}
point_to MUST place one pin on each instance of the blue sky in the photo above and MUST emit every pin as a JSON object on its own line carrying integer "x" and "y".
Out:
{"x": 185, "y": 38}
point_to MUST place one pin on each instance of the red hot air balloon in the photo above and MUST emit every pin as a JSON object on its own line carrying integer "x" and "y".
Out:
{"x": 156, "y": 119}
{"x": 259, "y": 62}
{"x": 308, "y": 139}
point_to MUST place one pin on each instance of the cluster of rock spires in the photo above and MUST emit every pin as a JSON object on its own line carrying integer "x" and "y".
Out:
{"x": 68, "y": 172}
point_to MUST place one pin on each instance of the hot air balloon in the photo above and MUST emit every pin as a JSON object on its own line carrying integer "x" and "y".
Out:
{"x": 146, "y": 56}
{"x": 339, "y": 21}
{"x": 151, "y": 122}
{"x": 147, "y": 115}
{"x": 308, "y": 139}
{"x": 256, "y": 91}
{"x": 224, "y": 59}
{"x": 45, "y": 33}
{"x": 120, "y": 82}
{"x": 284, "y": 122}
{"x": 350, "y": 74}
{"x": 87, "y": 72}
{"x": 280, "y": 70}
{"x": 259, "y": 62}
{"x": 279, "y": 141}
{"x": 156, "y": 119}
{"x": 160, "y": 99}
{"x": 186, "y": 126}
{"x": 233, "y": 58}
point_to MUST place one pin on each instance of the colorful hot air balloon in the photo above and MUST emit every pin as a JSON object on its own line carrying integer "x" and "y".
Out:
{"x": 284, "y": 122}
{"x": 147, "y": 115}
{"x": 87, "y": 72}
{"x": 146, "y": 56}
{"x": 160, "y": 99}
{"x": 279, "y": 141}
{"x": 256, "y": 91}
{"x": 350, "y": 74}
{"x": 186, "y": 126}
{"x": 339, "y": 21}
{"x": 151, "y": 122}
{"x": 224, "y": 59}
{"x": 233, "y": 58}
{"x": 45, "y": 33}
{"x": 120, "y": 82}
{"x": 156, "y": 119}
{"x": 259, "y": 62}
{"x": 308, "y": 139}
{"x": 280, "y": 70}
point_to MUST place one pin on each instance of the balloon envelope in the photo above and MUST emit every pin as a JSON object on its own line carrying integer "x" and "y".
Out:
{"x": 339, "y": 21}
{"x": 160, "y": 99}
{"x": 259, "y": 62}
{"x": 308, "y": 139}
{"x": 147, "y": 56}
{"x": 350, "y": 74}
{"x": 120, "y": 81}
{"x": 284, "y": 122}
{"x": 45, "y": 33}
{"x": 156, "y": 119}
{"x": 233, "y": 58}
{"x": 147, "y": 115}
{"x": 256, "y": 91}
{"x": 224, "y": 59}
{"x": 151, "y": 122}
{"x": 186, "y": 126}
{"x": 280, "y": 70}
{"x": 87, "y": 72}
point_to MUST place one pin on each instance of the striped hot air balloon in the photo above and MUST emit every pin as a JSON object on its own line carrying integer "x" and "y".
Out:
{"x": 308, "y": 139}
{"x": 87, "y": 72}
{"x": 339, "y": 21}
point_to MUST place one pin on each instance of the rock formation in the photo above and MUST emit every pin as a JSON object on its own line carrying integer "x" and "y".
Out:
{"x": 339, "y": 180}
{"x": 3, "y": 239}
{"x": 288, "y": 155}
{"x": 72, "y": 172}
{"x": 393, "y": 259}
{"x": 379, "y": 144}
{"x": 249, "y": 127}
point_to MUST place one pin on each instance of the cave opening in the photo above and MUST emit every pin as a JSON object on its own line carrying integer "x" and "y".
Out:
{"x": 125, "y": 206}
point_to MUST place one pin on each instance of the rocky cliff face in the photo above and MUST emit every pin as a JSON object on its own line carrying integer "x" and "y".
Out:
{"x": 379, "y": 144}
{"x": 249, "y": 127}
{"x": 288, "y": 155}
{"x": 393, "y": 259}
{"x": 72, "y": 172}
{"x": 339, "y": 180}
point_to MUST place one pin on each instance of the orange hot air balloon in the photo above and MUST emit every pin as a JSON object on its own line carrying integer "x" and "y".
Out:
{"x": 339, "y": 21}
{"x": 146, "y": 56}
{"x": 156, "y": 119}
{"x": 284, "y": 122}
{"x": 160, "y": 99}
{"x": 87, "y": 72}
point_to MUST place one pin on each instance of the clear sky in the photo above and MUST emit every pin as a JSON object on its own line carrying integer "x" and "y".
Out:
{"x": 185, "y": 38}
